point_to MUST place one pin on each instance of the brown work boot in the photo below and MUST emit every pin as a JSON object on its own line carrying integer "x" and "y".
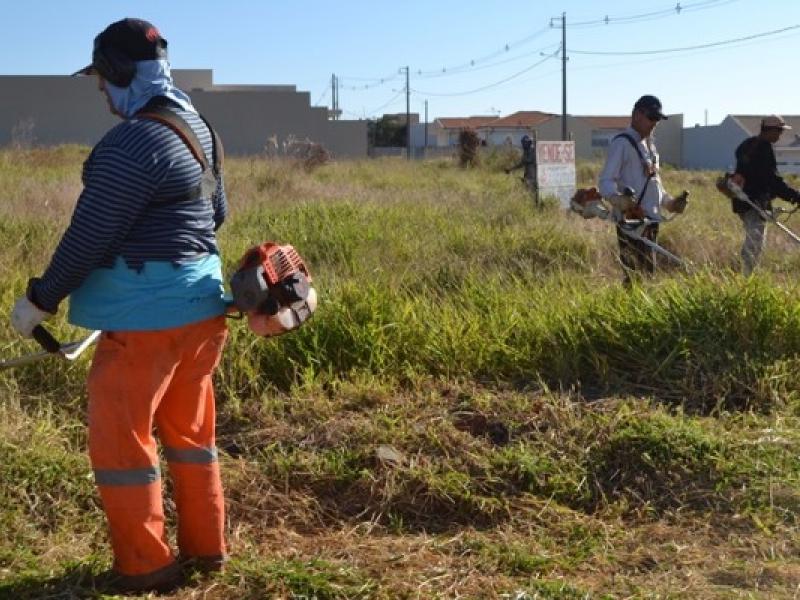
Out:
{"x": 203, "y": 564}
{"x": 163, "y": 580}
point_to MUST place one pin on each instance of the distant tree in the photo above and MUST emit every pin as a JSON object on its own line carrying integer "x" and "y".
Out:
{"x": 387, "y": 131}
{"x": 468, "y": 143}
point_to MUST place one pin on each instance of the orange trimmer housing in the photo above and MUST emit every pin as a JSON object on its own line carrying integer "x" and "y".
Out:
{"x": 278, "y": 261}
{"x": 272, "y": 287}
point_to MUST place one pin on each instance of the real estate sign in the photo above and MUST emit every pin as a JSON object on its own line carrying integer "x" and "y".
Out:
{"x": 555, "y": 170}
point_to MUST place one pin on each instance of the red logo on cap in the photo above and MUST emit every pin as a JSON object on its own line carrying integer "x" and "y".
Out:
{"x": 152, "y": 35}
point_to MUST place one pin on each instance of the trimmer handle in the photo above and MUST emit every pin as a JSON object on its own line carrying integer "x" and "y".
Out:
{"x": 46, "y": 340}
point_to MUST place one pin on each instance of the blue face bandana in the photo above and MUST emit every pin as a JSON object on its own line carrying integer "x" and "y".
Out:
{"x": 152, "y": 79}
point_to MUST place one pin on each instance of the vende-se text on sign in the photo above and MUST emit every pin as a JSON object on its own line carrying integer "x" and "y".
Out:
{"x": 555, "y": 152}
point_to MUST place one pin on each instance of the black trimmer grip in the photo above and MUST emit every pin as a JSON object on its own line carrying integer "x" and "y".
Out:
{"x": 46, "y": 340}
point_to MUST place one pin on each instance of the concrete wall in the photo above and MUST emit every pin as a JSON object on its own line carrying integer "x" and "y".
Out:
{"x": 246, "y": 120}
{"x": 417, "y": 152}
{"x": 712, "y": 146}
{"x": 191, "y": 79}
{"x": 346, "y": 138}
{"x": 49, "y": 110}
{"x": 60, "y": 109}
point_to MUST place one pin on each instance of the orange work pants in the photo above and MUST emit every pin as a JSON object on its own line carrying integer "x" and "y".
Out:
{"x": 145, "y": 379}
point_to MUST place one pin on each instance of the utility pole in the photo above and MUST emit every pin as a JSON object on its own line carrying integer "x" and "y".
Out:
{"x": 426, "y": 126}
{"x": 334, "y": 97}
{"x": 564, "y": 76}
{"x": 408, "y": 114}
{"x": 338, "y": 108}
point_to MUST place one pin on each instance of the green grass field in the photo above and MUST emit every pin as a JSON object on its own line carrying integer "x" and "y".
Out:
{"x": 478, "y": 409}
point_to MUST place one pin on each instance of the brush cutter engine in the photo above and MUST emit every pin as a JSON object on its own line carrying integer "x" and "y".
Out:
{"x": 730, "y": 185}
{"x": 588, "y": 203}
{"x": 273, "y": 288}
{"x": 624, "y": 210}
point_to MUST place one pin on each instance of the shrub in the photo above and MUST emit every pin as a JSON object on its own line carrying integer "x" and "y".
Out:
{"x": 468, "y": 144}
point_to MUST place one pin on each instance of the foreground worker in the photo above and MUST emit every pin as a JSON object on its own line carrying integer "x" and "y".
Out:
{"x": 633, "y": 162}
{"x": 755, "y": 162}
{"x": 140, "y": 261}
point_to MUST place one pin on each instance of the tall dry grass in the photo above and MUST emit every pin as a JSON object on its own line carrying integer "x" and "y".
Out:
{"x": 478, "y": 408}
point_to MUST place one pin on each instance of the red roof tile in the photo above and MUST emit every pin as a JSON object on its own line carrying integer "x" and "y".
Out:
{"x": 523, "y": 118}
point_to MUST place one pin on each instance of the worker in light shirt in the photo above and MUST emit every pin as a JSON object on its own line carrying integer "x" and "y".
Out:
{"x": 633, "y": 163}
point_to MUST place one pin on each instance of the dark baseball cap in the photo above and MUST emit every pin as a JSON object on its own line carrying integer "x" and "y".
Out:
{"x": 135, "y": 39}
{"x": 651, "y": 106}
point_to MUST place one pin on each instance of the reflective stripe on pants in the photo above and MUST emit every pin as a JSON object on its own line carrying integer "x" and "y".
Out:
{"x": 161, "y": 379}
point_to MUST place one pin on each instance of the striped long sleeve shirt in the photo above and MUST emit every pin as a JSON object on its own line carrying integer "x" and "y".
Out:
{"x": 131, "y": 207}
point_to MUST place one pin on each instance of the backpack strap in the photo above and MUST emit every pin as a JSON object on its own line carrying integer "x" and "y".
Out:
{"x": 175, "y": 122}
{"x": 645, "y": 164}
{"x": 633, "y": 143}
{"x": 217, "y": 151}
{"x": 157, "y": 110}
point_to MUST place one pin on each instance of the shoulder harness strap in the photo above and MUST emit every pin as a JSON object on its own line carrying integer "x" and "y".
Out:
{"x": 176, "y": 123}
{"x": 650, "y": 172}
{"x": 218, "y": 152}
{"x": 636, "y": 147}
{"x": 156, "y": 110}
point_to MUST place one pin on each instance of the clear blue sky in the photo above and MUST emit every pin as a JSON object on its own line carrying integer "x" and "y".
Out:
{"x": 302, "y": 42}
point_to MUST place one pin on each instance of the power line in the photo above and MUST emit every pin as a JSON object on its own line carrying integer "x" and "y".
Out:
{"x": 665, "y": 57}
{"x": 686, "y": 48}
{"x": 452, "y": 70}
{"x": 390, "y": 101}
{"x": 385, "y": 77}
{"x": 367, "y": 86}
{"x": 675, "y": 10}
{"x": 491, "y": 65}
{"x": 496, "y": 83}
{"x": 477, "y": 64}
{"x": 323, "y": 95}
{"x": 475, "y": 61}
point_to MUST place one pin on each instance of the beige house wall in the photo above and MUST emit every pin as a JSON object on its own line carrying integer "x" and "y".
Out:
{"x": 49, "y": 110}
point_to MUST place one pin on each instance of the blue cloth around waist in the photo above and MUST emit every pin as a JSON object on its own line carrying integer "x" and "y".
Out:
{"x": 161, "y": 295}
